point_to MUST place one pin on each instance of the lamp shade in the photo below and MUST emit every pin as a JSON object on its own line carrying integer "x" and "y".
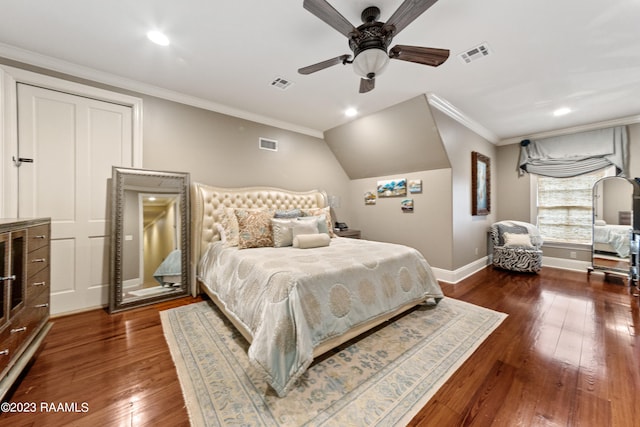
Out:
{"x": 370, "y": 61}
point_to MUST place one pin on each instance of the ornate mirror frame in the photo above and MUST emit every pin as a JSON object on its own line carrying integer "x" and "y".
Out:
{"x": 144, "y": 181}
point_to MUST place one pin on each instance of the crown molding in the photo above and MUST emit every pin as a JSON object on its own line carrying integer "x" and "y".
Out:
{"x": 623, "y": 121}
{"x": 457, "y": 115}
{"x": 54, "y": 64}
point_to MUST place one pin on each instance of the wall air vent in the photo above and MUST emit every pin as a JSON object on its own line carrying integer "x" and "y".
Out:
{"x": 281, "y": 83}
{"x": 268, "y": 144}
{"x": 475, "y": 53}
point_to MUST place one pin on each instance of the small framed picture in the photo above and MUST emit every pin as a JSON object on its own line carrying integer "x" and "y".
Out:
{"x": 370, "y": 198}
{"x": 415, "y": 186}
{"x": 407, "y": 205}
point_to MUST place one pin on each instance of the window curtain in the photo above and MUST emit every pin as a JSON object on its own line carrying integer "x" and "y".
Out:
{"x": 576, "y": 154}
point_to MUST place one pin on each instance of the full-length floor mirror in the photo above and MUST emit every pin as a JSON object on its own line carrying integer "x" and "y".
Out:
{"x": 612, "y": 224}
{"x": 150, "y": 237}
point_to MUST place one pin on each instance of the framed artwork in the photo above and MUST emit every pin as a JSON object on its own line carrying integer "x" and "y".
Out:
{"x": 407, "y": 205}
{"x": 370, "y": 198}
{"x": 392, "y": 187}
{"x": 415, "y": 186}
{"x": 480, "y": 184}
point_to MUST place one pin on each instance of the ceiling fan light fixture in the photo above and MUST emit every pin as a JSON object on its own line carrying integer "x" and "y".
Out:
{"x": 370, "y": 61}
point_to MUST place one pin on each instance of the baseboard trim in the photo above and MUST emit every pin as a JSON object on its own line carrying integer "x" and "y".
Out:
{"x": 455, "y": 276}
{"x": 566, "y": 264}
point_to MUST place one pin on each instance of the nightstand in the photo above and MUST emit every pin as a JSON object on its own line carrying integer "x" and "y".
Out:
{"x": 353, "y": 234}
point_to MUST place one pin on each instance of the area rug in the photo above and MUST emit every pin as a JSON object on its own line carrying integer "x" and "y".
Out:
{"x": 381, "y": 378}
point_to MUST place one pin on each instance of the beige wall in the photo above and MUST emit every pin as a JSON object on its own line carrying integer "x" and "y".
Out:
{"x": 427, "y": 228}
{"x": 222, "y": 150}
{"x": 469, "y": 238}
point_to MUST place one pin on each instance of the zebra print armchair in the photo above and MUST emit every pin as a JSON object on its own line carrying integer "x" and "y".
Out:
{"x": 516, "y": 246}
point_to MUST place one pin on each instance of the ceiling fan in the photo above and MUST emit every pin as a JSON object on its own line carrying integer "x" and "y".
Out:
{"x": 369, "y": 42}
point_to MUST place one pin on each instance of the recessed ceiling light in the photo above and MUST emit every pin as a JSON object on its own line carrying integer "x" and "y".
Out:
{"x": 351, "y": 112}
{"x": 158, "y": 38}
{"x": 561, "y": 111}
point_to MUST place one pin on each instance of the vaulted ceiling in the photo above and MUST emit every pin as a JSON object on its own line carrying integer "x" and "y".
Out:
{"x": 224, "y": 55}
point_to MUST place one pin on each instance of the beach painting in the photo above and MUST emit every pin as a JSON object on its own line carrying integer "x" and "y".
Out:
{"x": 392, "y": 187}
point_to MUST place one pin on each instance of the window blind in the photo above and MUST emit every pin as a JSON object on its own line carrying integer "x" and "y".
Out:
{"x": 565, "y": 207}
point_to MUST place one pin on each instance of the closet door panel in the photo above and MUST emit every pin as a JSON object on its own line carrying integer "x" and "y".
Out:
{"x": 74, "y": 141}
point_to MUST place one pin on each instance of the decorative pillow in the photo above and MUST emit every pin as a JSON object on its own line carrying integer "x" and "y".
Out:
{"x": 321, "y": 220}
{"x": 254, "y": 228}
{"x": 321, "y": 211}
{"x": 513, "y": 229}
{"x": 282, "y": 231}
{"x": 305, "y": 227}
{"x": 306, "y": 241}
{"x": 600, "y": 222}
{"x": 230, "y": 225}
{"x": 292, "y": 213}
{"x": 513, "y": 240}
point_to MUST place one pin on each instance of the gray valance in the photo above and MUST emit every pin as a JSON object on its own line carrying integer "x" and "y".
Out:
{"x": 576, "y": 154}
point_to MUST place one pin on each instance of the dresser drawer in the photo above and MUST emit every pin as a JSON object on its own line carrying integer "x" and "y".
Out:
{"x": 38, "y": 236}
{"x": 31, "y": 318}
{"x": 37, "y": 260}
{"x": 7, "y": 347}
{"x": 38, "y": 282}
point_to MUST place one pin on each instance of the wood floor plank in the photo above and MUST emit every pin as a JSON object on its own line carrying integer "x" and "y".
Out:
{"x": 567, "y": 354}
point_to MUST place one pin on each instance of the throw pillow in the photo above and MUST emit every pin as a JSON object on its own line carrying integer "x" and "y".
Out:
{"x": 254, "y": 228}
{"x": 513, "y": 240}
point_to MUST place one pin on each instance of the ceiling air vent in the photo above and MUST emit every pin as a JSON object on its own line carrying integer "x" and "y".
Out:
{"x": 475, "y": 53}
{"x": 268, "y": 144}
{"x": 281, "y": 83}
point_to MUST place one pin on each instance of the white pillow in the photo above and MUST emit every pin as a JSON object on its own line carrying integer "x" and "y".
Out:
{"x": 513, "y": 240}
{"x": 306, "y": 227}
{"x": 600, "y": 222}
{"x": 282, "y": 231}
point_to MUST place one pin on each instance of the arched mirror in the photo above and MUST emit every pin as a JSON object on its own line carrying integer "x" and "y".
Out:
{"x": 150, "y": 237}
{"x": 613, "y": 199}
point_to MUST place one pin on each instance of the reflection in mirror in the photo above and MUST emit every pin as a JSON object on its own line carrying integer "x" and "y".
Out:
{"x": 150, "y": 237}
{"x": 612, "y": 224}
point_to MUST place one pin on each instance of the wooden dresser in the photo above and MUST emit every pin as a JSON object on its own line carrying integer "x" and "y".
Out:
{"x": 25, "y": 293}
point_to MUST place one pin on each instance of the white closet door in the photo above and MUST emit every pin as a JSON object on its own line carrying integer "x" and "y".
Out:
{"x": 74, "y": 142}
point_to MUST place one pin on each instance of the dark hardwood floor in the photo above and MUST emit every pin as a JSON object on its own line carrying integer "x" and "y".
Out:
{"x": 567, "y": 355}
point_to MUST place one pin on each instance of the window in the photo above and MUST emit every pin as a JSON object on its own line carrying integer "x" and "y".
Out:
{"x": 565, "y": 206}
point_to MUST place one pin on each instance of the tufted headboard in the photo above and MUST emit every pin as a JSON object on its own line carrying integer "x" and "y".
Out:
{"x": 207, "y": 202}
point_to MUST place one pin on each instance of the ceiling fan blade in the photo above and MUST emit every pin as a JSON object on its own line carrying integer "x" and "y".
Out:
{"x": 328, "y": 14}
{"x": 324, "y": 64}
{"x": 367, "y": 85}
{"x": 421, "y": 55}
{"x": 407, "y": 13}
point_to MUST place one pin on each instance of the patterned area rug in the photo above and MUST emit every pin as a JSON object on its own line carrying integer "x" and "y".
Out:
{"x": 382, "y": 378}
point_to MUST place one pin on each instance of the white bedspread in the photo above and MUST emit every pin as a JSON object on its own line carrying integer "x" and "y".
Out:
{"x": 615, "y": 235}
{"x": 293, "y": 299}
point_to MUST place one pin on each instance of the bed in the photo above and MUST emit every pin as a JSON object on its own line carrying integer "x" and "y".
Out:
{"x": 295, "y": 303}
{"x": 611, "y": 238}
{"x": 169, "y": 272}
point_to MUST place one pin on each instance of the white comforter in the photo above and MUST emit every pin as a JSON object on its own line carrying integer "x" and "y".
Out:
{"x": 291, "y": 300}
{"x": 615, "y": 235}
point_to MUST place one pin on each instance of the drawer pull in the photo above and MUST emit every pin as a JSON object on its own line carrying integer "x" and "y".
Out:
{"x": 40, "y": 236}
{"x": 41, "y": 305}
{"x": 39, "y": 283}
{"x": 39, "y": 260}
{"x": 22, "y": 329}
{"x": 4, "y": 352}
{"x": 12, "y": 277}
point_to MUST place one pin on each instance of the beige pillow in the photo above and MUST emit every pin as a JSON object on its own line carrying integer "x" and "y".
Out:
{"x": 306, "y": 241}
{"x": 513, "y": 240}
{"x": 229, "y": 223}
{"x": 254, "y": 228}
